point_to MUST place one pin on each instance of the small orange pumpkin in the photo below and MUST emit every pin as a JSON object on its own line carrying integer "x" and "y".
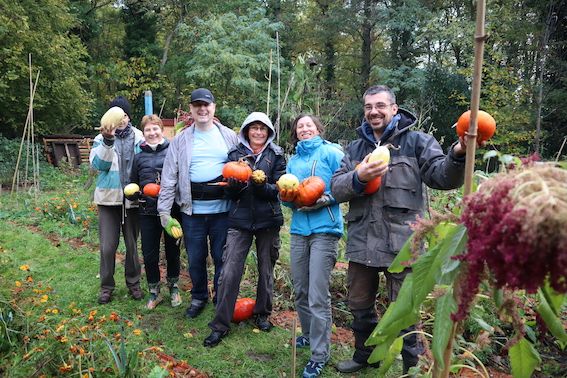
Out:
{"x": 243, "y": 309}
{"x": 151, "y": 190}
{"x": 310, "y": 190}
{"x": 373, "y": 185}
{"x": 486, "y": 125}
{"x": 239, "y": 170}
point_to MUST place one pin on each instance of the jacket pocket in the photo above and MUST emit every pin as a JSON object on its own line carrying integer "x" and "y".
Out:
{"x": 402, "y": 185}
{"x": 399, "y": 221}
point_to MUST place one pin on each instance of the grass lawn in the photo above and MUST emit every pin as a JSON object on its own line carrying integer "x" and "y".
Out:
{"x": 52, "y": 324}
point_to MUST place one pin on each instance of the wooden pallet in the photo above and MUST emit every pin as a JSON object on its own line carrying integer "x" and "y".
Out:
{"x": 74, "y": 150}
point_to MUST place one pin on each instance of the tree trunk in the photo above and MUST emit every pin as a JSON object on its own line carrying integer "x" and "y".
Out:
{"x": 551, "y": 20}
{"x": 366, "y": 46}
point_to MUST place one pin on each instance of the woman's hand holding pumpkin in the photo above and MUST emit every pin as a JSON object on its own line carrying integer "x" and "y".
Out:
{"x": 288, "y": 195}
{"x": 236, "y": 184}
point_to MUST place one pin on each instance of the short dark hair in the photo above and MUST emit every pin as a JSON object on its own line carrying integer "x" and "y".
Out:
{"x": 316, "y": 121}
{"x": 379, "y": 89}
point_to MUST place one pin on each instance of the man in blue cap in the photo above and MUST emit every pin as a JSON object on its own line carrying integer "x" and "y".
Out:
{"x": 194, "y": 161}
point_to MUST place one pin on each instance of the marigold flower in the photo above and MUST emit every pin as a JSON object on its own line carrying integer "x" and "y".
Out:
{"x": 44, "y": 298}
{"x": 137, "y": 332}
{"x": 65, "y": 368}
{"x": 18, "y": 283}
{"x": 25, "y": 267}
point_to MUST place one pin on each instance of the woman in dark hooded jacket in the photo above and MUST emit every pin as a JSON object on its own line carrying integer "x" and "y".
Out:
{"x": 146, "y": 170}
{"x": 255, "y": 212}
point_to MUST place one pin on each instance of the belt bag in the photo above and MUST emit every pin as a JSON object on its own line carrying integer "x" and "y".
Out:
{"x": 204, "y": 192}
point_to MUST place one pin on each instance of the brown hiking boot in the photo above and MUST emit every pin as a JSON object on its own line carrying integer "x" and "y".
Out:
{"x": 136, "y": 292}
{"x": 104, "y": 297}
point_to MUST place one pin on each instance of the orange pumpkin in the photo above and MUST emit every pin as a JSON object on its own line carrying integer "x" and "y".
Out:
{"x": 373, "y": 185}
{"x": 310, "y": 190}
{"x": 151, "y": 190}
{"x": 239, "y": 170}
{"x": 486, "y": 125}
{"x": 243, "y": 309}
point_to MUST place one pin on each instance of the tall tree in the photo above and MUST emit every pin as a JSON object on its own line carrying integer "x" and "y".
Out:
{"x": 61, "y": 103}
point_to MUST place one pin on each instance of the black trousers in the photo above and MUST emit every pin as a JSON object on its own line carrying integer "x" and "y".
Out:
{"x": 151, "y": 231}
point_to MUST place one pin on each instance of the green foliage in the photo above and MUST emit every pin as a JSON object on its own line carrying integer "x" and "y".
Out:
{"x": 524, "y": 359}
{"x": 231, "y": 55}
{"x": 41, "y": 29}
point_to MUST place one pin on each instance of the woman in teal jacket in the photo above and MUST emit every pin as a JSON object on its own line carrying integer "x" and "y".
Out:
{"x": 315, "y": 232}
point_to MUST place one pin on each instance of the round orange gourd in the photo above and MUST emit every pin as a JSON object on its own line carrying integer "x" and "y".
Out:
{"x": 151, "y": 190}
{"x": 486, "y": 125}
{"x": 310, "y": 190}
{"x": 243, "y": 309}
{"x": 239, "y": 170}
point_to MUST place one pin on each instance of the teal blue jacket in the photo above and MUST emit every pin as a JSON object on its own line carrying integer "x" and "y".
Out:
{"x": 113, "y": 159}
{"x": 316, "y": 157}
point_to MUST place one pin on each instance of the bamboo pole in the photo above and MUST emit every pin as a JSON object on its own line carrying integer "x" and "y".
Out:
{"x": 269, "y": 86}
{"x": 479, "y": 39}
{"x": 293, "y": 346}
{"x": 278, "y": 118}
{"x": 23, "y": 137}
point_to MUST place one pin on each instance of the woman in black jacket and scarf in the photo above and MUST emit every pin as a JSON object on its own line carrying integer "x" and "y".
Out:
{"x": 255, "y": 212}
{"x": 146, "y": 170}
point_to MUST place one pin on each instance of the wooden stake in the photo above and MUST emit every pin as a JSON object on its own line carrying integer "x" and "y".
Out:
{"x": 293, "y": 346}
{"x": 479, "y": 39}
{"x": 23, "y": 138}
{"x": 269, "y": 85}
{"x": 289, "y": 85}
{"x": 161, "y": 109}
{"x": 278, "y": 117}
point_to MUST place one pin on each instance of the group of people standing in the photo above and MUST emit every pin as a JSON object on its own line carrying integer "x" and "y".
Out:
{"x": 223, "y": 219}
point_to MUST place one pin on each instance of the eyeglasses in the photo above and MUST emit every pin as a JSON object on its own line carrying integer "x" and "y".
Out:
{"x": 263, "y": 129}
{"x": 379, "y": 106}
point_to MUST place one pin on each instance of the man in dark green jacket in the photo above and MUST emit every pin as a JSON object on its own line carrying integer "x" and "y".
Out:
{"x": 379, "y": 223}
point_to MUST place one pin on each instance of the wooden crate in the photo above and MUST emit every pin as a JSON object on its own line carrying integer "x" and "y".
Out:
{"x": 72, "y": 149}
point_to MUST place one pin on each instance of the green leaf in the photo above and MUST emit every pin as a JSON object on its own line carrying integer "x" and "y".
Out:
{"x": 554, "y": 298}
{"x": 393, "y": 352}
{"x": 442, "y": 326}
{"x": 400, "y": 314}
{"x": 403, "y": 255}
{"x": 489, "y": 154}
{"x": 552, "y": 321}
{"x": 484, "y": 325}
{"x": 381, "y": 350}
{"x": 427, "y": 269}
{"x": 524, "y": 358}
{"x": 158, "y": 372}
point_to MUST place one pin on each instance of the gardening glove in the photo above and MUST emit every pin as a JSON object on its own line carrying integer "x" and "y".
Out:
{"x": 288, "y": 195}
{"x": 172, "y": 226}
{"x": 134, "y": 196}
{"x": 324, "y": 200}
{"x": 236, "y": 185}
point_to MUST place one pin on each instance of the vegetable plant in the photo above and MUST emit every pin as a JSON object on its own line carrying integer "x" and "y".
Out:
{"x": 510, "y": 236}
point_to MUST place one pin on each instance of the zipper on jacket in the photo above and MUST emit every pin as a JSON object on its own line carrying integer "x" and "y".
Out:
{"x": 330, "y": 213}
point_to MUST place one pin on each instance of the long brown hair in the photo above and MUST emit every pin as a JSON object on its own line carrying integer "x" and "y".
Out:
{"x": 316, "y": 121}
